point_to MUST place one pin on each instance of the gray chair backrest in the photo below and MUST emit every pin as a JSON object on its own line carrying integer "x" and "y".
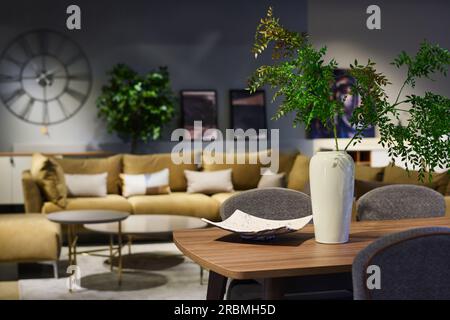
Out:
{"x": 400, "y": 202}
{"x": 269, "y": 203}
{"x": 413, "y": 264}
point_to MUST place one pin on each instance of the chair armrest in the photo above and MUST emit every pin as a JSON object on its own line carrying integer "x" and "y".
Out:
{"x": 447, "y": 206}
{"x": 31, "y": 194}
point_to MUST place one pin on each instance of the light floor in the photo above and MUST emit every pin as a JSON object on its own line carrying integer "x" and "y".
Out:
{"x": 167, "y": 275}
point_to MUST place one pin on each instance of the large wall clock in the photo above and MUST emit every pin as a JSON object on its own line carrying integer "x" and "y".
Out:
{"x": 45, "y": 77}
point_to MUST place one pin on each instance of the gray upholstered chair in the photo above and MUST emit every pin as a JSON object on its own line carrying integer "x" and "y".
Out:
{"x": 278, "y": 204}
{"x": 400, "y": 202}
{"x": 413, "y": 264}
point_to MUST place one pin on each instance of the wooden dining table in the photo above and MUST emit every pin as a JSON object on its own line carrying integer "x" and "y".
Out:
{"x": 296, "y": 254}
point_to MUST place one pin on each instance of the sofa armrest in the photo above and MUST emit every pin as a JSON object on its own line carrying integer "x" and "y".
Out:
{"x": 447, "y": 206}
{"x": 31, "y": 194}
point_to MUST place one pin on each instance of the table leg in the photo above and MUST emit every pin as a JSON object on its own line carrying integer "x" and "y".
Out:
{"x": 74, "y": 239}
{"x": 216, "y": 286}
{"x": 69, "y": 243}
{"x": 130, "y": 242}
{"x": 273, "y": 289}
{"x": 111, "y": 252}
{"x": 120, "y": 252}
{"x": 201, "y": 275}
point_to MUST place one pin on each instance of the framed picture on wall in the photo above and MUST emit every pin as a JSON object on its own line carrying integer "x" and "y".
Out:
{"x": 341, "y": 91}
{"x": 248, "y": 110}
{"x": 199, "y": 105}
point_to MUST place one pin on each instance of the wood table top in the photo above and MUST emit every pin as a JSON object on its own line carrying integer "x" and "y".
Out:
{"x": 293, "y": 254}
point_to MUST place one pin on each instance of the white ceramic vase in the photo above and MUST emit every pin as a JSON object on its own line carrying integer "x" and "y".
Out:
{"x": 331, "y": 177}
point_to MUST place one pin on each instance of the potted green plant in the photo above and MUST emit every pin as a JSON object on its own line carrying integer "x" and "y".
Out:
{"x": 302, "y": 78}
{"x": 136, "y": 106}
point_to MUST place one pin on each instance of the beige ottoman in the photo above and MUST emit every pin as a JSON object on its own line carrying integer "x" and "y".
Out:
{"x": 29, "y": 238}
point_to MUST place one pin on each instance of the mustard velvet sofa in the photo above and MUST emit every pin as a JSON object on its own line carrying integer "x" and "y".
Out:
{"x": 29, "y": 238}
{"x": 179, "y": 202}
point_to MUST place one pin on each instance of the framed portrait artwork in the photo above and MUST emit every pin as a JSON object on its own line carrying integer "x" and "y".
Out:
{"x": 341, "y": 91}
{"x": 199, "y": 105}
{"x": 248, "y": 110}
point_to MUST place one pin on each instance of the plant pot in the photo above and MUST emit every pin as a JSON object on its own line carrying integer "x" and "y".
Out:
{"x": 332, "y": 184}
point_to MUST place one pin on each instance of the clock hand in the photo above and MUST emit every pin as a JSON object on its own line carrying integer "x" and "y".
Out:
{"x": 54, "y": 71}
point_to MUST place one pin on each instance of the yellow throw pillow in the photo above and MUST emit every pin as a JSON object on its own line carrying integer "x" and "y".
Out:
{"x": 286, "y": 162}
{"x": 397, "y": 175}
{"x": 299, "y": 175}
{"x": 49, "y": 176}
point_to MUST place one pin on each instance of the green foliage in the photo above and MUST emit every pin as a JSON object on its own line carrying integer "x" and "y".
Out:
{"x": 136, "y": 106}
{"x": 299, "y": 74}
{"x": 302, "y": 77}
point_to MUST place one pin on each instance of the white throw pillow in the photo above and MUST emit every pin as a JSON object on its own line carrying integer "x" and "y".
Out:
{"x": 145, "y": 184}
{"x": 209, "y": 182}
{"x": 87, "y": 185}
{"x": 276, "y": 180}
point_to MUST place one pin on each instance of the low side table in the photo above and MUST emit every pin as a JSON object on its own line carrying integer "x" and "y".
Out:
{"x": 82, "y": 217}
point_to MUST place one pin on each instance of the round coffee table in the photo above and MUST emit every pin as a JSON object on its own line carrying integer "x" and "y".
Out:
{"x": 72, "y": 218}
{"x": 148, "y": 225}
{"x": 141, "y": 226}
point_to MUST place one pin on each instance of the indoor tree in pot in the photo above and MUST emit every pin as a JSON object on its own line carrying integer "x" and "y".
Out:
{"x": 136, "y": 106}
{"x": 304, "y": 80}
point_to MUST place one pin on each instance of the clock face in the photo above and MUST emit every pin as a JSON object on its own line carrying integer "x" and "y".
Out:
{"x": 45, "y": 78}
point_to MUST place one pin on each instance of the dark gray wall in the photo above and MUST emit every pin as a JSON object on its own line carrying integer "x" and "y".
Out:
{"x": 341, "y": 26}
{"x": 205, "y": 44}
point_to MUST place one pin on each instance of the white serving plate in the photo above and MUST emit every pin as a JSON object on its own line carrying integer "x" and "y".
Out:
{"x": 251, "y": 227}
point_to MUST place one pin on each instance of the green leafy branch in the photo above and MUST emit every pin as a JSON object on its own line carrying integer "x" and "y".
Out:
{"x": 303, "y": 80}
{"x": 299, "y": 73}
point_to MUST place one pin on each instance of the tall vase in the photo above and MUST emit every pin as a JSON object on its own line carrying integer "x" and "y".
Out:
{"x": 331, "y": 177}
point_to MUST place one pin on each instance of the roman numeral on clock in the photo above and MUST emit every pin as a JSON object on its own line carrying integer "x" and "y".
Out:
{"x": 16, "y": 95}
{"x": 25, "y": 114}
{"x": 75, "y": 94}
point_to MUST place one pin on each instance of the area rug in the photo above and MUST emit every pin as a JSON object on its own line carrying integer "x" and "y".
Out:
{"x": 152, "y": 271}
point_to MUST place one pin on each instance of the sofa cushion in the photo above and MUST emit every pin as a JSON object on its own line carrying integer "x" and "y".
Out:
{"x": 87, "y": 185}
{"x": 145, "y": 184}
{"x": 367, "y": 173}
{"x": 363, "y": 186}
{"x": 141, "y": 164}
{"x": 221, "y": 197}
{"x": 286, "y": 162}
{"x": 31, "y": 193}
{"x": 397, "y": 175}
{"x": 177, "y": 203}
{"x": 28, "y": 237}
{"x": 110, "y": 202}
{"x": 111, "y": 165}
{"x": 272, "y": 181}
{"x": 244, "y": 175}
{"x": 49, "y": 176}
{"x": 299, "y": 175}
{"x": 9, "y": 290}
{"x": 209, "y": 182}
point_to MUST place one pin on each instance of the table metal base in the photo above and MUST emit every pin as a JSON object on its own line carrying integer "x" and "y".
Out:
{"x": 72, "y": 239}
